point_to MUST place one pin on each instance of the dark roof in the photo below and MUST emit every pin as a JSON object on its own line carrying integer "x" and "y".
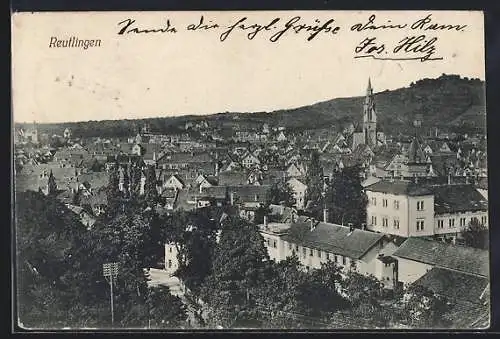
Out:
{"x": 247, "y": 193}
{"x": 460, "y": 258}
{"x": 95, "y": 179}
{"x": 232, "y": 178}
{"x": 458, "y": 198}
{"x": 399, "y": 187}
{"x": 334, "y": 238}
{"x": 454, "y": 285}
{"x": 415, "y": 153}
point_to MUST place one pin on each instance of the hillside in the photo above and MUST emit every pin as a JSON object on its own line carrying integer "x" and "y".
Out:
{"x": 440, "y": 101}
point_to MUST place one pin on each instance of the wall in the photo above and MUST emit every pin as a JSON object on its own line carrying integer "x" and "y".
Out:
{"x": 390, "y": 212}
{"x": 171, "y": 255}
{"x": 456, "y": 217}
{"x": 427, "y": 215}
{"x": 410, "y": 271}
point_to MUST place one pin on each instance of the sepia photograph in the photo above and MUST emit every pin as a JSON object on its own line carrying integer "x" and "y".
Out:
{"x": 233, "y": 170}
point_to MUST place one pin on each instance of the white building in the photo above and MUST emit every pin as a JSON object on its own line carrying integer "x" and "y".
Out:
{"x": 408, "y": 209}
{"x": 299, "y": 192}
{"x": 417, "y": 256}
{"x": 315, "y": 242}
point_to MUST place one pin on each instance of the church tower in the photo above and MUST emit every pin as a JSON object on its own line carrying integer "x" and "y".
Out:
{"x": 369, "y": 118}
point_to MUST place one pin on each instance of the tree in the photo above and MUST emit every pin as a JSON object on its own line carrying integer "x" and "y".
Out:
{"x": 113, "y": 193}
{"x": 51, "y": 185}
{"x": 54, "y": 287}
{"x": 476, "y": 234}
{"x": 238, "y": 266}
{"x": 165, "y": 310}
{"x": 320, "y": 295}
{"x": 314, "y": 182}
{"x": 345, "y": 198}
{"x": 421, "y": 308}
{"x": 282, "y": 193}
{"x": 364, "y": 294}
{"x": 150, "y": 190}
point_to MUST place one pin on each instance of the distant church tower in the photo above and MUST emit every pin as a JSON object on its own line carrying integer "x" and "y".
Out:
{"x": 369, "y": 118}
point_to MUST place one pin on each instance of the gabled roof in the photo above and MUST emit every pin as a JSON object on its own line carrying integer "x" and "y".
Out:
{"x": 230, "y": 178}
{"x": 453, "y": 284}
{"x": 459, "y": 258}
{"x": 335, "y": 239}
{"x": 415, "y": 153}
{"x": 399, "y": 187}
{"x": 458, "y": 198}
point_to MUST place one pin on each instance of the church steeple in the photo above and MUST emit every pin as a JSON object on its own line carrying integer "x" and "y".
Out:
{"x": 369, "y": 89}
{"x": 369, "y": 117}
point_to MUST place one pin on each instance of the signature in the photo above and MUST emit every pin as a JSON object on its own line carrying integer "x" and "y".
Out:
{"x": 416, "y": 47}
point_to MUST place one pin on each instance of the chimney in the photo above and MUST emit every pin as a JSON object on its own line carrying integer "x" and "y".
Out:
{"x": 232, "y": 198}
{"x": 265, "y": 221}
{"x": 449, "y": 178}
{"x": 312, "y": 221}
{"x": 201, "y": 188}
{"x": 217, "y": 168}
{"x": 325, "y": 215}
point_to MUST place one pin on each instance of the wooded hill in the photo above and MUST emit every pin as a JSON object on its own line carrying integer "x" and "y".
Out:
{"x": 449, "y": 102}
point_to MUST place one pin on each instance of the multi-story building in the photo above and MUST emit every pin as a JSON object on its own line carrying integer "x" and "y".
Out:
{"x": 315, "y": 242}
{"x": 409, "y": 209}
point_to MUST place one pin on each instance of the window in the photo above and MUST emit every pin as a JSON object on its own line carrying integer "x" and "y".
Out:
{"x": 374, "y": 201}
{"x": 385, "y": 222}
{"x": 420, "y": 225}
{"x": 484, "y": 219}
{"x": 451, "y": 223}
{"x": 319, "y": 254}
{"x": 336, "y": 259}
{"x": 374, "y": 220}
{"x": 462, "y": 221}
{"x": 311, "y": 252}
{"x": 396, "y": 224}
{"x": 290, "y": 246}
{"x": 420, "y": 205}
{"x": 274, "y": 243}
{"x": 343, "y": 260}
{"x": 169, "y": 263}
{"x": 304, "y": 252}
{"x": 440, "y": 223}
{"x": 170, "y": 249}
{"x": 396, "y": 204}
{"x": 384, "y": 202}
{"x": 328, "y": 256}
{"x": 297, "y": 248}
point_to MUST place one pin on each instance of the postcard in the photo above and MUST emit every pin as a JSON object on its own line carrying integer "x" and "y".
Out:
{"x": 223, "y": 170}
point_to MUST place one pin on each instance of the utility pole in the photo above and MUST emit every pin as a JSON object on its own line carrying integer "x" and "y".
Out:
{"x": 110, "y": 272}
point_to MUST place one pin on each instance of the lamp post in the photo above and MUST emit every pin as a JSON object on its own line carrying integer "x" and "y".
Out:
{"x": 110, "y": 272}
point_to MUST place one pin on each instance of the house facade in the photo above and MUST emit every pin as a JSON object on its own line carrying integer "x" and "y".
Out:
{"x": 406, "y": 209}
{"x": 320, "y": 242}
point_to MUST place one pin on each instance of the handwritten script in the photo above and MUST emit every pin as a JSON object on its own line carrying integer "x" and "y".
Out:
{"x": 416, "y": 40}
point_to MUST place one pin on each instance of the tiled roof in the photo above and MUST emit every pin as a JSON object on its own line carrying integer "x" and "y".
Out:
{"x": 458, "y": 198}
{"x": 334, "y": 238}
{"x": 232, "y": 178}
{"x": 415, "y": 153}
{"x": 460, "y": 258}
{"x": 454, "y": 285}
{"x": 399, "y": 187}
{"x": 95, "y": 179}
{"x": 246, "y": 193}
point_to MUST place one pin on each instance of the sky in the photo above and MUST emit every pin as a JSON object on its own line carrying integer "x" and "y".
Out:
{"x": 192, "y": 72}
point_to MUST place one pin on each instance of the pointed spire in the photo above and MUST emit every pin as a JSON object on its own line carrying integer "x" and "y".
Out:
{"x": 369, "y": 89}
